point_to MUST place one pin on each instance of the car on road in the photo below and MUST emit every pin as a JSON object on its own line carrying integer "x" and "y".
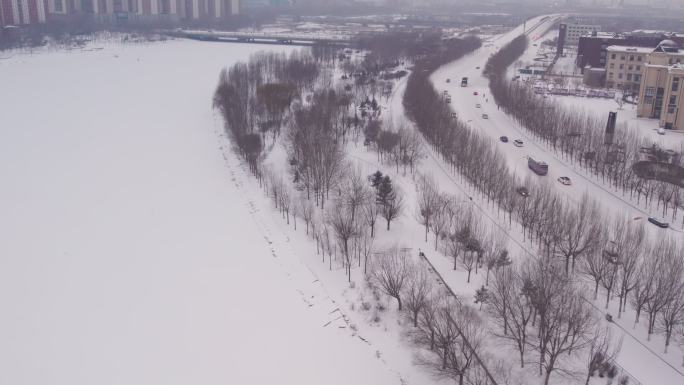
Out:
{"x": 478, "y": 105}
{"x": 454, "y": 115}
{"x": 475, "y": 93}
{"x": 504, "y": 139}
{"x": 523, "y": 191}
{"x": 477, "y": 68}
{"x": 661, "y": 131}
{"x": 518, "y": 143}
{"x": 565, "y": 180}
{"x": 448, "y": 80}
{"x": 485, "y": 116}
{"x": 659, "y": 222}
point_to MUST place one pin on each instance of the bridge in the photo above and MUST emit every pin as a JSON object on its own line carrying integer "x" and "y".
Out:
{"x": 264, "y": 38}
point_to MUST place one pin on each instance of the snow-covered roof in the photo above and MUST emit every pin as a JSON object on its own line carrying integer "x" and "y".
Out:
{"x": 624, "y": 48}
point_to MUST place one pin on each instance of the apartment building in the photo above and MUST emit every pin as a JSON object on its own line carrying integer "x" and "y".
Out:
{"x": 661, "y": 95}
{"x": 20, "y": 12}
{"x": 624, "y": 66}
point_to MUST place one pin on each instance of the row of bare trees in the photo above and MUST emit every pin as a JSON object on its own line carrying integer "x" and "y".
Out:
{"x": 255, "y": 97}
{"x": 449, "y": 332}
{"x": 344, "y": 227}
{"x": 581, "y": 137}
{"x": 571, "y": 233}
{"x": 540, "y": 311}
{"x": 400, "y": 147}
{"x": 344, "y": 230}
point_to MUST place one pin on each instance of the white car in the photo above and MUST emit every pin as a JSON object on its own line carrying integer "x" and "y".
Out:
{"x": 565, "y": 180}
{"x": 478, "y": 105}
{"x": 518, "y": 143}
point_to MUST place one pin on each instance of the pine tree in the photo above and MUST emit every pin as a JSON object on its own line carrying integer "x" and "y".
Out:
{"x": 481, "y": 296}
{"x": 376, "y": 180}
{"x": 504, "y": 259}
{"x": 385, "y": 191}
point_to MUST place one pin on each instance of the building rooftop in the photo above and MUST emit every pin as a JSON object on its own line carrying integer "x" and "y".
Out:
{"x": 624, "y": 48}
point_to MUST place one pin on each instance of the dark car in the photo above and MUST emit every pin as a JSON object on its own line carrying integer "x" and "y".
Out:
{"x": 659, "y": 222}
{"x": 504, "y": 139}
{"x": 523, "y": 191}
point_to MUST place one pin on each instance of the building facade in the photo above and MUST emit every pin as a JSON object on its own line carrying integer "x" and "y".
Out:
{"x": 575, "y": 31}
{"x": 591, "y": 50}
{"x": 20, "y": 12}
{"x": 624, "y": 66}
{"x": 661, "y": 95}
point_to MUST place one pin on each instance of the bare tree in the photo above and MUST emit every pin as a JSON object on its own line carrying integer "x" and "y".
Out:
{"x": 390, "y": 271}
{"x": 370, "y": 211}
{"x": 417, "y": 292}
{"x": 493, "y": 246}
{"x": 512, "y": 305}
{"x": 580, "y": 231}
{"x": 355, "y": 191}
{"x": 428, "y": 201}
{"x": 441, "y": 219}
{"x": 306, "y": 210}
{"x": 631, "y": 244}
{"x": 667, "y": 270}
{"x": 364, "y": 249}
{"x": 458, "y": 338}
{"x": 345, "y": 228}
{"x": 672, "y": 314}
{"x": 595, "y": 266}
{"x": 602, "y": 350}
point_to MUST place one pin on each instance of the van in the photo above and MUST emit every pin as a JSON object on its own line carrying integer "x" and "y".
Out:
{"x": 659, "y": 222}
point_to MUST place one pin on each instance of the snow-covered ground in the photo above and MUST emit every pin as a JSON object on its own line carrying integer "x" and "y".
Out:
{"x": 131, "y": 250}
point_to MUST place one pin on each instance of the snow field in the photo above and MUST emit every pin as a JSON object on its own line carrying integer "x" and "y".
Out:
{"x": 128, "y": 252}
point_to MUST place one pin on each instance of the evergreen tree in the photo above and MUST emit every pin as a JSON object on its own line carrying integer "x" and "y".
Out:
{"x": 385, "y": 191}
{"x": 504, "y": 259}
{"x": 376, "y": 180}
{"x": 481, "y": 296}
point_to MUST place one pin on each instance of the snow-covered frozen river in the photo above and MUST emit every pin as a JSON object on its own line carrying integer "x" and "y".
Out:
{"x": 127, "y": 253}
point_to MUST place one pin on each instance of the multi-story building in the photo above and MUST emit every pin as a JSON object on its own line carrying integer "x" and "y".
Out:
{"x": 624, "y": 66}
{"x": 18, "y": 12}
{"x": 591, "y": 50}
{"x": 573, "y": 32}
{"x": 661, "y": 95}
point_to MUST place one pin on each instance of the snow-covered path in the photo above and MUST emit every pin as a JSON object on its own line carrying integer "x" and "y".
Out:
{"x": 129, "y": 250}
